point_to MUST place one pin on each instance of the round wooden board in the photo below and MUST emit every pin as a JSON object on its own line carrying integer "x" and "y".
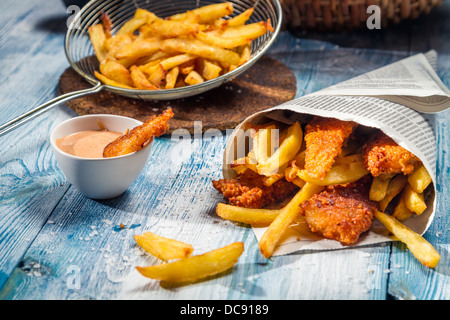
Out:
{"x": 266, "y": 84}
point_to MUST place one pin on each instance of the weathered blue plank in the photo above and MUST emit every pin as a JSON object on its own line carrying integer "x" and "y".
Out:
{"x": 57, "y": 244}
{"x": 30, "y": 185}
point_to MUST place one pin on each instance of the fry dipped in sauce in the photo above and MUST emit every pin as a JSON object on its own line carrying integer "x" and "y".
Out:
{"x": 140, "y": 136}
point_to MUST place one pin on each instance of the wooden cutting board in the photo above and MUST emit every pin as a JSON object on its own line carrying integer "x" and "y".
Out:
{"x": 266, "y": 84}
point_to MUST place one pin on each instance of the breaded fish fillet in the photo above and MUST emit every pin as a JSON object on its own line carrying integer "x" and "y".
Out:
{"x": 383, "y": 155}
{"x": 325, "y": 138}
{"x": 341, "y": 212}
{"x": 247, "y": 190}
{"x": 139, "y": 136}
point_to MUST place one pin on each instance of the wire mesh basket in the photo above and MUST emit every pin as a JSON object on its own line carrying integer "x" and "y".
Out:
{"x": 80, "y": 53}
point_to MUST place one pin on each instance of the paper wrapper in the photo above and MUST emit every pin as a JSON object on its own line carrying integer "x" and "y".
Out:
{"x": 408, "y": 127}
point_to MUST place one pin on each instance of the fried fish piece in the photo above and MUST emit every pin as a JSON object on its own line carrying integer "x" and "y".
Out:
{"x": 139, "y": 136}
{"x": 341, "y": 212}
{"x": 325, "y": 138}
{"x": 383, "y": 156}
{"x": 248, "y": 190}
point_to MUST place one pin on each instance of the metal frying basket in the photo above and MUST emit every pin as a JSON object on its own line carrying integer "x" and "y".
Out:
{"x": 81, "y": 57}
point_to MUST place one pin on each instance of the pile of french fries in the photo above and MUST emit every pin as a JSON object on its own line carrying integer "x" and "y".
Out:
{"x": 411, "y": 187}
{"x": 185, "y": 267}
{"x": 280, "y": 154}
{"x": 150, "y": 53}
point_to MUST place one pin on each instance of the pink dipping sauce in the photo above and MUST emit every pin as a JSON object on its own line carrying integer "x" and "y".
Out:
{"x": 87, "y": 144}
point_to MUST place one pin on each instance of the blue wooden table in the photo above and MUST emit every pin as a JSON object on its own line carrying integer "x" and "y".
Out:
{"x": 57, "y": 244}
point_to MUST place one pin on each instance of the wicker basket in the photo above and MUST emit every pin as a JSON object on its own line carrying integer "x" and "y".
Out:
{"x": 349, "y": 14}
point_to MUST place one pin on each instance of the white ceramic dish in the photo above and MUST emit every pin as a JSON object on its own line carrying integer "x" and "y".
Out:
{"x": 102, "y": 178}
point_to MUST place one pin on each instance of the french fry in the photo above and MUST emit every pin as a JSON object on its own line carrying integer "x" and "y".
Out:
{"x": 395, "y": 187}
{"x": 132, "y": 25}
{"x": 419, "y": 179}
{"x": 143, "y": 13}
{"x": 139, "y": 79}
{"x": 401, "y": 211}
{"x": 197, "y": 267}
{"x": 300, "y": 159}
{"x": 246, "y": 54}
{"x": 187, "y": 67}
{"x": 158, "y": 75}
{"x": 110, "y": 82}
{"x": 150, "y": 66}
{"x": 192, "y": 17}
{"x": 285, "y": 153}
{"x": 98, "y": 37}
{"x": 378, "y": 188}
{"x": 197, "y": 47}
{"x": 171, "y": 77}
{"x": 207, "y": 13}
{"x": 241, "y": 165}
{"x": 348, "y": 169}
{"x": 162, "y": 247}
{"x": 233, "y": 37}
{"x": 285, "y": 218}
{"x": 254, "y": 217}
{"x": 171, "y": 28}
{"x": 107, "y": 24}
{"x": 193, "y": 78}
{"x": 208, "y": 69}
{"x": 176, "y": 60}
{"x": 280, "y": 174}
{"x": 115, "y": 43}
{"x": 226, "y": 43}
{"x": 263, "y": 143}
{"x": 180, "y": 83}
{"x": 414, "y": 201}
{"x": 236, "y": 21}
{"x": 291, "y": 171}
{"x": 299, "y": 182}
{"x": 117, "y": 72}
{"x": 419, "y": 247}
{"x": 138, "y": 48}
{"x": 249, "y": 31}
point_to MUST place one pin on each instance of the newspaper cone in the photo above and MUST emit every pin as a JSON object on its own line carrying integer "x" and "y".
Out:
{"x": 408, "y": 127}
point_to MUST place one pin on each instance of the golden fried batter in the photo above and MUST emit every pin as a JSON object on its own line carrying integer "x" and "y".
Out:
{"x": 139, "y": 136}
{"x": 247, "y": 190}
{"x": 383, "y": 155}
{"x": 325, "y": 138}
{"x": 341, "y": 212}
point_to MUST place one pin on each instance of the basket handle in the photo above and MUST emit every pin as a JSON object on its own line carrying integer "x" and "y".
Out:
{"x": 14, "y": 123}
